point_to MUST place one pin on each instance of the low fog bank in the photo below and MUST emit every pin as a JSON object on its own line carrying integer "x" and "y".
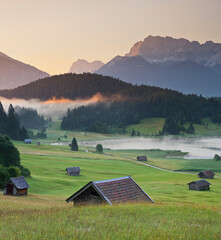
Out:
{"x": 55, "y": 108}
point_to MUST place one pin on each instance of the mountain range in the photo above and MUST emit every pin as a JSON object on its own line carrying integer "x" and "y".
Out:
{"x": 178, "y": 64}
{"x": 81, "y": 66}
{"x": 14, "y": 73}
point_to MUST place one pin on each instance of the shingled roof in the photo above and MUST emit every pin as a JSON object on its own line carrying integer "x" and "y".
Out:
{"x": 73, "y": 169}
{"x": 116, "y": 190}
{"x": 201, "y": 183}
{"x": 207, "y": 173}
{"x": 19, "y": 182}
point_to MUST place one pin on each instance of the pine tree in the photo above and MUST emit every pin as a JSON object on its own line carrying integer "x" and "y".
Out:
{"x": 13, "y": 128}
{"x": 74, "y": 145}
{"x": 3, "y": 120}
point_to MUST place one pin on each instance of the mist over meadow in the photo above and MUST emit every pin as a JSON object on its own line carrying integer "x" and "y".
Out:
{"x": 55, "y": 108}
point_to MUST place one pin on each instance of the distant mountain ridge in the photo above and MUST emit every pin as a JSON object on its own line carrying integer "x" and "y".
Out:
{"x": 14, "y": 73}
{"x": 81, "y": 66}
{"x": 177, "y": 64}
{"x": 163, "y": 49}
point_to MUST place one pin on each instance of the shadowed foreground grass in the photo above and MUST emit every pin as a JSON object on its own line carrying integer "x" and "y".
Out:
{"x": 51, "y": 218}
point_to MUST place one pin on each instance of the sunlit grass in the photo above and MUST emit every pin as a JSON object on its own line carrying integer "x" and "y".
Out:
{"x": 130, "y": 221}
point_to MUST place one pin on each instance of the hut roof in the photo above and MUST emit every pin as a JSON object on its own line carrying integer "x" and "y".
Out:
{"x": 144, "y": 158}
{"x": 201, "y": 183}
{"x": 73, "y": 169}
{"x": 19, "y": 182}
{"x": 116, "y": 190}
{"x": 208, "y": 173}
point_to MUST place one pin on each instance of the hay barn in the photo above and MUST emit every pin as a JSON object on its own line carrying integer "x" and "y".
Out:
{"x": 206, "y": 174}
{"x": 16, "y": 186}
{"x": 73, "y": 171}
{"x": 142, "y": 158}
{"x": 199, "y": 185}
{"x": 111, "y": 191}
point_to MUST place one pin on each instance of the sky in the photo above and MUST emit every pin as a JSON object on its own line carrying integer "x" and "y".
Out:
{"x": 52, "y": 34}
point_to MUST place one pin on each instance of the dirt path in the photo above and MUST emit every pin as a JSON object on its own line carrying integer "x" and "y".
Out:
{"x": 166, "y": 170}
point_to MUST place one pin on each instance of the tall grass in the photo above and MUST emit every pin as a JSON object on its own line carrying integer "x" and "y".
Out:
{"x": 130, "y": 221}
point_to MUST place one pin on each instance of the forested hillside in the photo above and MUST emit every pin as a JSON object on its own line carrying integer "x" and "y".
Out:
{"x": 176, "y": 108}
{"x": 72, "y": 86}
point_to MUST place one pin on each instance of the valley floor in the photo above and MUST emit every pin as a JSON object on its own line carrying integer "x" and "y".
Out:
{"x": 176, "y": 214}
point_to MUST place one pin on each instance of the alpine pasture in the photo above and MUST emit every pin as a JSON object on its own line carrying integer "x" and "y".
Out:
{"x": 176, "y": 214}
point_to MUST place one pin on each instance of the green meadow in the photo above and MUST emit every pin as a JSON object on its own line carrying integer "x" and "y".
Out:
{"x": 152, "y": 126}
{"x": 176, "y": 214}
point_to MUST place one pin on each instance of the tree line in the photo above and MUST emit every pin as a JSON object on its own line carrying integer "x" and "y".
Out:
{"x": 175, "y": 107}
{"x": 29, "y": 118}
{"x": 9, "y": 124}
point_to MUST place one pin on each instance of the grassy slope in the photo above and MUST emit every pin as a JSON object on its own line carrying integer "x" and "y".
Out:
{"x": 148, "y": 126}
{"x": 152, "y": 126}
{"x": 47, "y": 216}
{"x": 54, "y": 132}
{"x": 173, "y": 160}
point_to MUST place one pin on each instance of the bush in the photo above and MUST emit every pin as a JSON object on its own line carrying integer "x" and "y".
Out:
{"x": 99, "y": 148}
{"x": 217, "y": 157}
{"x": 25, "y": 171}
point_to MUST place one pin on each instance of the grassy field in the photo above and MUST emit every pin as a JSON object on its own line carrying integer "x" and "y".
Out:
{"x": 173, "y": 160}
{"x": 54, "y": 132}
{"x": 176, "y": 214}
{"x": 44, "y": 214}
{"x": 152, "y": 126}
{"x": 148, "y": 126}
{"x": 207, "y": 128}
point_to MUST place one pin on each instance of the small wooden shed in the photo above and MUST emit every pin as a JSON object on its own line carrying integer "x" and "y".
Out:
{"x": 16, "y": 186}
{"x": 141, "y": 158}
{"x": 206, "y": 174}
{"x": 28, "y": 141}
{"x": 110, "y": 191}
{"x": 73, "y": 171}
{"x": 199, "y": 185}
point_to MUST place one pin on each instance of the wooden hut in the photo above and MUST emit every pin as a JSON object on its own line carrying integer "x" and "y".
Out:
{"x": 199, "y": 185}
{"x": 206, "y": 174}
{"x": 141, "y": 158}
{"x": 111, "y": 191}
{"x": 73, "y": 171}
{"x": 28, "y": 141}
{"x": 16, "y": 186}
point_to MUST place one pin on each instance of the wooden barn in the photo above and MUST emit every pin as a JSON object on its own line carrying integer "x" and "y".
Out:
{"x": 206, "y": 174}
{"x": 16, "y": 186}
{"x": 199, "y": 185}
{"x": 141, "y": 158}
{"x": 111, "y": 191}
{"x": 73, "y": 171}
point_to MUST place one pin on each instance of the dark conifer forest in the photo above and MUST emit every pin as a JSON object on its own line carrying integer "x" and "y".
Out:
{"x": 9, "y": 124}
{"x": 29, "y": 118}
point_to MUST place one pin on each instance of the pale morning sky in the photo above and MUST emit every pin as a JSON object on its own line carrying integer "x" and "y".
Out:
{"x": 51, "y": 34}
